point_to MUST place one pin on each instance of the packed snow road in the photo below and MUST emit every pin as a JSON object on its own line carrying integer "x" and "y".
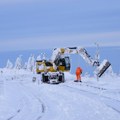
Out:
{"x": 20, "y": 104}
{"x": 25, "y": 100}
{"x": 63, "y": 102}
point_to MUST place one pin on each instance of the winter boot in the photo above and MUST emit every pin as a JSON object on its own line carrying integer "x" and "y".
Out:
{"x": 75, "y": 80}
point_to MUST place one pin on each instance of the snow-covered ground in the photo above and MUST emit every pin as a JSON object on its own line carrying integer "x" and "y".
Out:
{"x": 23, "y": 99}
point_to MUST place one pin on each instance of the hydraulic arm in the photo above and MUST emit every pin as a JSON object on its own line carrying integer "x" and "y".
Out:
{"x": 59, "y": 53}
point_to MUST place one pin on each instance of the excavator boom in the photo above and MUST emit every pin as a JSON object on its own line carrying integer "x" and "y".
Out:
{"x": 59, "y": 53}
{"x": 60, "y": 63}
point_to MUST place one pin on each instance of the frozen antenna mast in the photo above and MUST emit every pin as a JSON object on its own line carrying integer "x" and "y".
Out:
{"x": 97, "y": 55}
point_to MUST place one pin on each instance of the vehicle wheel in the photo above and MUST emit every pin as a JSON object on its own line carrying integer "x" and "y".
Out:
{"x": 45, "y": 78}
{"x": 61, "y": 78}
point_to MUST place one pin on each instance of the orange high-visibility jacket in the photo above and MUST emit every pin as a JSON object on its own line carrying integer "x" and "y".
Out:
{"x": 78, "y": 71}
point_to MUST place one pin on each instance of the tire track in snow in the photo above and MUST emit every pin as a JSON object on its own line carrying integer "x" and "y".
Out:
{"x": 99, "y": 96}
{"x": 43, "y": 108}
{"x": 92, "y": 92}
{"x": 27, "y": 96}
{"x": 18, "y": 111}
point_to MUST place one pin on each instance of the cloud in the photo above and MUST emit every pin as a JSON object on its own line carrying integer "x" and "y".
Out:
{"x": 3, "y": 2}
{"x": 53, "y": 41}
{"x": 12, "y": 2}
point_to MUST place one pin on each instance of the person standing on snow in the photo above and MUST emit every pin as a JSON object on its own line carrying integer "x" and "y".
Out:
{"x": 78, "y": 74}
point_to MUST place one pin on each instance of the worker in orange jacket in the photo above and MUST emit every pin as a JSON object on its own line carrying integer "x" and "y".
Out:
{"x": 78, "y": 74}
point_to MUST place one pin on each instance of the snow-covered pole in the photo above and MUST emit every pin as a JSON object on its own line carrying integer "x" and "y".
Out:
{"x": 97, "y": 55}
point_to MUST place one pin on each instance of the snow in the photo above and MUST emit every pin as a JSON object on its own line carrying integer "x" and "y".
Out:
{"x": 55, "y": 54}
{"x": 38, "y": 58}
{"x": 18, "y": 63}
{"x": 101, "y": 65}
{"x": 23, "y": 99}
{"x": 9, "y": 64}
{"x": 31, "y": 63}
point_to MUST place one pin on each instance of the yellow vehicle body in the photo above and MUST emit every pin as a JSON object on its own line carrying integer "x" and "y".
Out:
{"x": 42, "y": 67}
{"x": 47, "y": 66}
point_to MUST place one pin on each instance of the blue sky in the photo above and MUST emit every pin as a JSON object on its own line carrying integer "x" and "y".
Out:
{"x": 36, "y": 24}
